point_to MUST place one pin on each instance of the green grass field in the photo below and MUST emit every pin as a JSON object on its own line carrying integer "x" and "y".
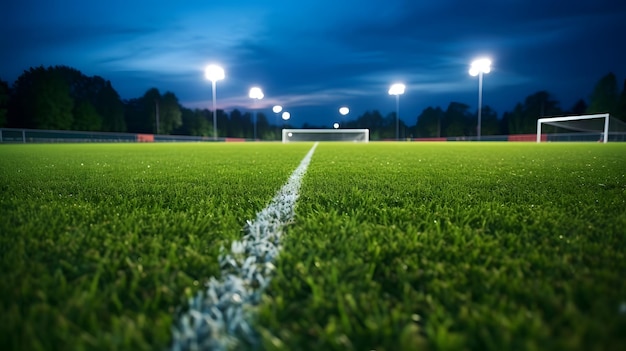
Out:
{"x": 395, "y": 246}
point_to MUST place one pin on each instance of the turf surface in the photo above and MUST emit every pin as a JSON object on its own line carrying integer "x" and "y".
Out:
{"x": 478, "y": 246}
{"x": 455, "y": 247}
{"x": 101, "y": 244}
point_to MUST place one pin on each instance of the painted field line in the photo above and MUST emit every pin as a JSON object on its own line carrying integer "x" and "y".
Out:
{"x": 219, "y": 318}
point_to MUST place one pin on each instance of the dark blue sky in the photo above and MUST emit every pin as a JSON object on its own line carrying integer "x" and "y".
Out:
{"x": 315, "y": 56}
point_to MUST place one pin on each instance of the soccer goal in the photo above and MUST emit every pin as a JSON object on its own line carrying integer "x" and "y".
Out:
{"x": 354, "y": 135}
{"x": 599, "y": 127}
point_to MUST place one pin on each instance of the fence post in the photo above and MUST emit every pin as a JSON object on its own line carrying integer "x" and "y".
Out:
{"x": 24, "y": 136}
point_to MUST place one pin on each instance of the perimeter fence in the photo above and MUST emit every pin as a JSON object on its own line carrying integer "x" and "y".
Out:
{"x": 14, "y": 135}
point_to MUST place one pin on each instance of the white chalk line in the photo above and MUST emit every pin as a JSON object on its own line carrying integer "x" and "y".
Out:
{"x": 219, "y": 318}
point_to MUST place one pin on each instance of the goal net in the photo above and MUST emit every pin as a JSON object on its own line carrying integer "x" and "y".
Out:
{"x": 599, "y": 128}
{"x": 354, "y": 135}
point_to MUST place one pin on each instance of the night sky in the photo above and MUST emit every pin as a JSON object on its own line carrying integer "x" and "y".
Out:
{"x": 314, "y": 56}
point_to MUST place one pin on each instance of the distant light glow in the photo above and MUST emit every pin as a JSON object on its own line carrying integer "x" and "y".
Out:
{"x": 482, "y": 65}
{"x": 256, "y": 93}
{"x": 397, "y": 89}
{"x": 214, "y": 73}
{"x": 286, "y": 115}
{"x": 336, "y": 125}
{"x": 277, "y": 109}
{"x": 290, "y": 134}
{"x": 344, "y": 110}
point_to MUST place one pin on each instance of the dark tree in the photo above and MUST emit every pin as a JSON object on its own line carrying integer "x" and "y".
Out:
{"x": 95, "y": 104}
{"x": 264, "y": 131}
{"x": 195, "y": 122}
{"x": 620, "y": 111}
{"x": 504, "y": 123}
{"x": 151, "y": 102}
{"x": 429, "y": 123}
{"x": 375, "y": 122}
{"x": 247, "y": 125}
{"x": 236, "y": 124}
{"x": 99, "y": 93}
{"x": 134, "y": 117}
{"x": 523, "y": 119}
{"x": 170, "y": 116}
{"x": 86, "y": 117}
{"x": 41, "y": 99}
{"x": 458, "y": 121}
{"x": 515, "y": 119}
{"x": 579, "y": 108}
{"x": 604, "y": 96}
{"x": 111, "y": 108}
{"x": 489, "y": 122}
{"x": 4, "y": 102}
{"x": 141, "y": 114}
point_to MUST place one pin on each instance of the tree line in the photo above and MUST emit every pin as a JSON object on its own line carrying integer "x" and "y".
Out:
{"x": 63, "y": 98}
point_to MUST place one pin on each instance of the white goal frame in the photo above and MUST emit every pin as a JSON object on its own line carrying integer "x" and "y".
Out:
{"x": 605, "y": 132}
{"x": 286, "y": 133}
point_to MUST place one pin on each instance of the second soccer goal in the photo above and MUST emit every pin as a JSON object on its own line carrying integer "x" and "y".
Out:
{"x": 353, "y": 135}
{"x": 599, "y": 127}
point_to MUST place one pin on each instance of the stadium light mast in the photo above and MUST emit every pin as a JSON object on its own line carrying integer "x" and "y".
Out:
{"x": 214, "y": 73}
{"x": 397, "y": 90}
{"x": 478, "y": 68}
{"x": 277, "y": 109}
{"x": 256, "y": 94}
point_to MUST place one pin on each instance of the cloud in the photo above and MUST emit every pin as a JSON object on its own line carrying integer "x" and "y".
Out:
{"x": 325, "y": 52}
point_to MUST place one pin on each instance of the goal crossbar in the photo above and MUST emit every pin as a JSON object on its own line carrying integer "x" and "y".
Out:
{"x": 546, "y": 120}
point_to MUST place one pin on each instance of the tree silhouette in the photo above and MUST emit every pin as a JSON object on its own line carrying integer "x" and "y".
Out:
{"x": 604, "y": 96}
{"x": 4, "y": 102}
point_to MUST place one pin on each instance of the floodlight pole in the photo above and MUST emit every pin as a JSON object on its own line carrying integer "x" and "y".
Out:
{"x": 478, "y": 68}
{"x": 276, "y": 109}
{"x": 214, "y": 111}
{"x": 214, "y": 73}
{"x": 397, "y": 90}
{"x": 256, "y": 117}
{"x": 480, "y": 101}
{"x": 256, "y": 94}
{"x": 156, "y": 104}
{"x": 397, "y": 116}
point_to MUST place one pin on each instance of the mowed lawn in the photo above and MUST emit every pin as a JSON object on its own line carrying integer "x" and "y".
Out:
{"x": 464, "y": 246}
{"x": 395, "y": 246}
{"x": 101, "y": 244}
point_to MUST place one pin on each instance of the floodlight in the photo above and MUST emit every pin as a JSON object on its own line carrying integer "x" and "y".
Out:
{"x": 344, "y": 110}
{"x": 286, "y": 115}
{"x": 482, "y": 65}
{"x": 277, "y": 109}
{"x": 214, "y": 73}
{"x": 336, "y": 125}
{"x": 256, "y": 93}
{"x": 397, "y": 89}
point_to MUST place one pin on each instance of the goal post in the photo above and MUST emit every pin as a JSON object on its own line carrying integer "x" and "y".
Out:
{"x": 601, "y": 124}
{"x": 352, "y": 135}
